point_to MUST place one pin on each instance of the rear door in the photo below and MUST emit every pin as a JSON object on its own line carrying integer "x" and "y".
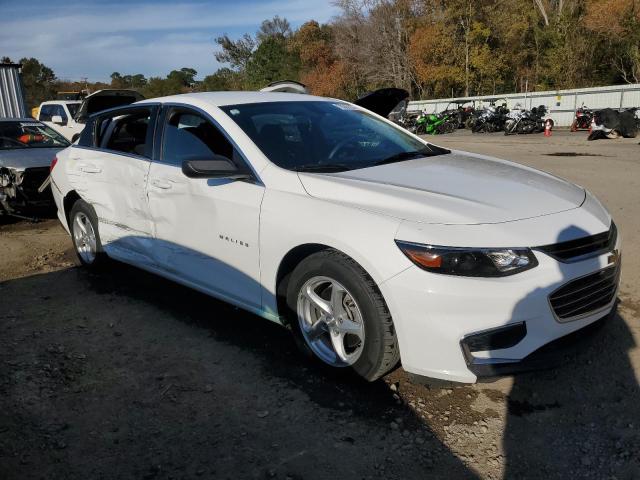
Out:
{"x": 206, "y": 230}
{"x": 112, "y": 174}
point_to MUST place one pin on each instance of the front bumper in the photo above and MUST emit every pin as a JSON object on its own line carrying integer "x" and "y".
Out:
{"x": 19, "y": 190}
{"x": 434, "y": 313}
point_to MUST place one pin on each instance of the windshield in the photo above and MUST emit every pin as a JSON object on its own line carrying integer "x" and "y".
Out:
{"x": 29, "y": 135}
{"x": 325, "y": 136}
{"x": 73, "y": 108}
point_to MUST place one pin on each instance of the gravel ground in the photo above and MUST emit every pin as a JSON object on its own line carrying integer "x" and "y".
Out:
{"x": 126, "y": 375}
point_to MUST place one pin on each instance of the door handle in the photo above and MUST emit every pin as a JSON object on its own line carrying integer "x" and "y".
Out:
{"x": 90, "y": 169}
{"x": 161, "y": 184}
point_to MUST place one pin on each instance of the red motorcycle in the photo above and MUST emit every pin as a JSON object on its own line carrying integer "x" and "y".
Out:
{"x": 582, "y": 120}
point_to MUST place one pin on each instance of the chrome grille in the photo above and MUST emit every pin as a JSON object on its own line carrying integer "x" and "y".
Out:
{"x": 582, "y": 247}
{"x": 585, "y": 294}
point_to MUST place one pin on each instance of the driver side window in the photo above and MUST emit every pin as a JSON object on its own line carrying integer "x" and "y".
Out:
{"x": 190, "y": 136}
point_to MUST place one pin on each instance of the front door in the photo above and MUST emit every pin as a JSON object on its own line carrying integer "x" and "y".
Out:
{"x": 206, "y": 230}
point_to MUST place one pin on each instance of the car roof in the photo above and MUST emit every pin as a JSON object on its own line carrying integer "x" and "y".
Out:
{"x": 219, "y": 99}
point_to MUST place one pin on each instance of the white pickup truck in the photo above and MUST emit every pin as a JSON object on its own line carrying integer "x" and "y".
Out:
{"x": 68, "y": 117}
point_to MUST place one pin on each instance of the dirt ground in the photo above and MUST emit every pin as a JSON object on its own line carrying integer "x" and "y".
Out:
{"x": 124, "y": 375}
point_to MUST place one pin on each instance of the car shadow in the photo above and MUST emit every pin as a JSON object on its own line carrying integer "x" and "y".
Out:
{"x": 579, "y": 419}
{"x": 200, "y": 387}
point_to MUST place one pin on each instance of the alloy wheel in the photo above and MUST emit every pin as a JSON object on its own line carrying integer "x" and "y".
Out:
{"x": 331, "y": 321}
{"x": 84, "y": 238}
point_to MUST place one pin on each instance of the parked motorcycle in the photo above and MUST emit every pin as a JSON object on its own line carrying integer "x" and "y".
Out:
{"x": 523, "y": 121}
{"x": 490, "y": 119}
{"x": 435, "y": 123}
{"x": 461, "y": 110}
{"x": 583, "y": 119}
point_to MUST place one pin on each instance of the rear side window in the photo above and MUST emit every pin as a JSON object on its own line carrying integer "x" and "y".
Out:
{"x": 129, "y": 131}
{"x": 190, "y": 136}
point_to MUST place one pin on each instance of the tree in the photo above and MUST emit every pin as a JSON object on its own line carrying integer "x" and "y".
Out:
{"x": 616, "y": 23}
{"x": 138, "y": 81}
{"x": 223, "y": 79}
{"x": 161, "y": 87}
{"x": 320, "y": 70}
{"x": 39, "y": 82}
{"x": 185, "y": 76}
{"x": 271, "y": 61}
{"x": 276, "y": 27}
{"x": 236, "y": 53}
{"x": 116, "y": 80}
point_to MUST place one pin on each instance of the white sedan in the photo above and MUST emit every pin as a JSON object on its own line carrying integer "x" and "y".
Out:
{"x": 373, "y": 246}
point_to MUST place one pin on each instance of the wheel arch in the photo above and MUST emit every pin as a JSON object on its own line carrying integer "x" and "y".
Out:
{"x": 69, "y": 199}
{"x": 293, "y": 258}
{"x": 288, "y": 263}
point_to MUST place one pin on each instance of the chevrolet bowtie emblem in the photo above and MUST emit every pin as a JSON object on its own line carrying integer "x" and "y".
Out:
{"x": 614, "y": 258}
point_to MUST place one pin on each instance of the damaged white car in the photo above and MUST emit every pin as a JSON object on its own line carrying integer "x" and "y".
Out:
{"x": 27, "y": 148}
{"x": 373, "y": 246}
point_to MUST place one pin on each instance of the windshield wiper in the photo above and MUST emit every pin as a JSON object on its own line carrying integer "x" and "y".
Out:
{"x": 323, "y": 168}
{"x": 402, "y": 156}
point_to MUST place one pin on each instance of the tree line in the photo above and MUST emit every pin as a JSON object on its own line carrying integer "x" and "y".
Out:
{"x": 433, "y": 48}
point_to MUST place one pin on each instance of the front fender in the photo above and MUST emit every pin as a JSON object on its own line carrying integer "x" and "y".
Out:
{"x": 288, "y": 220}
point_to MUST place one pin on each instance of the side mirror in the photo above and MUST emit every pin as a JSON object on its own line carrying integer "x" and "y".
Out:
{"x": 57, "y": 119}
{"x": 215, "y": 167}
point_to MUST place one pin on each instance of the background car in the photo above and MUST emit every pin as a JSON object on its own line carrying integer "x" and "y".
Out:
{"x": 68, "y": 117}
{"x": 27, "y": 148}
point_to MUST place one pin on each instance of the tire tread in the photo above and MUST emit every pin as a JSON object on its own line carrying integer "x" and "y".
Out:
{"x": 391, "y": 352}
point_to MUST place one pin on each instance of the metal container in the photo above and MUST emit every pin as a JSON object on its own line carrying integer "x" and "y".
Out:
{"x": 12, "y": 102}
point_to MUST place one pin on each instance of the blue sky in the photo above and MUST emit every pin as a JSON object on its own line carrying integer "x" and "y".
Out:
{"x": 93, "y": 38}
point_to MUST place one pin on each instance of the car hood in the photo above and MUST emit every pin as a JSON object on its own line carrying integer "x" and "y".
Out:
{"x": 21, "y": 158}
{"x": 455, "y": 188}
{"x": 105, "y": 99}
{"x": 383, "y": 101}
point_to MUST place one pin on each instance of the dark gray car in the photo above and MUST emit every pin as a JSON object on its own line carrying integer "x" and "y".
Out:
{"x": 27, "y": 148}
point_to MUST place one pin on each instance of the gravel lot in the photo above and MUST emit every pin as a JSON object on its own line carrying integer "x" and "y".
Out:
{"x": 126, "y": 375}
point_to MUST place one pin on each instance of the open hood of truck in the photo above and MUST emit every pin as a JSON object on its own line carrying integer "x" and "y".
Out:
{"x": 105, "y": 99}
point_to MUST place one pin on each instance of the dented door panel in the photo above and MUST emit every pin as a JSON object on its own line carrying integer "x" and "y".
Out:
{"x": 114, "y": 184}
{"x": 206, "y": 231}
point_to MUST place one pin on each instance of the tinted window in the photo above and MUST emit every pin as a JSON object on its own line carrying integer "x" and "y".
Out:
{"x": 324, "y": 135}
{"x": 190, "y": 136}
{"x": 126, "y": 132}
{"x": 46, "y": 111}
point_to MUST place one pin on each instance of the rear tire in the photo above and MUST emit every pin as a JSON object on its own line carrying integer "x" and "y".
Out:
{"x": 335, "y": 281}
{"x": 83, "y": 224}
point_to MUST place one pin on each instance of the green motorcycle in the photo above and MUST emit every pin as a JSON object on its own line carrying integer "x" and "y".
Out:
{"x": 435, "y": 123}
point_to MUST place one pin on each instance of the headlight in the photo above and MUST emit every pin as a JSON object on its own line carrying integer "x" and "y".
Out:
{"x": 469, "y": 262}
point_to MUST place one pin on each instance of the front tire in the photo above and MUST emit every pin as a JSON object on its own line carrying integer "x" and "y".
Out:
{"x": 339, "y": 317}
{"x": 83, "y": 223}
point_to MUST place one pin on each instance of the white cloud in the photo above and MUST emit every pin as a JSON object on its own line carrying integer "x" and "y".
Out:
{"x": 95, "y": 39}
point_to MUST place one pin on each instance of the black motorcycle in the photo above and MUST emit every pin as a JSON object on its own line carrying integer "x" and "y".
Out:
{"x": 490, "y": 119}
{"x": 526, "y": 121}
